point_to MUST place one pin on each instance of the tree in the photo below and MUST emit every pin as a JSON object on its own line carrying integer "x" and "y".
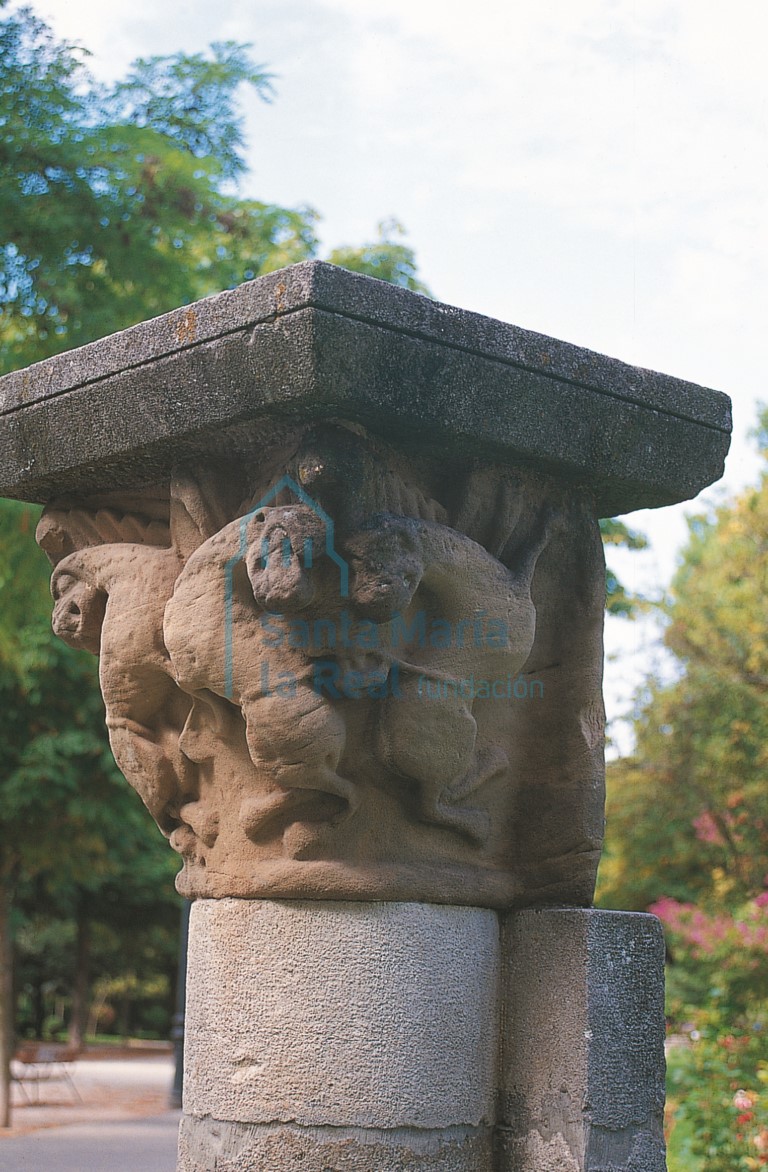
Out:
{"x": 19, "y": 589}
{"x": 688, "y": 813}
{"x": 73, "y": 833}
{"x": 389, "y": 258}
{"x": 100, "y": 188}
{"x": 688, "y": 829}
{"x": 116, "y": 203}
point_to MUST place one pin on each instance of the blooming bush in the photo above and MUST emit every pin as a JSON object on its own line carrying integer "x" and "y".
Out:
{"x": 718, "y": 1096}
{"x": 718, "y": 996}
{"x": 717, "y": 959}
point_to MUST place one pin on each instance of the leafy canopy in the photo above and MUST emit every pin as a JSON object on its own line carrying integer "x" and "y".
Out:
{"x": 688, "y": 813}
{"x": 119, "y": 203}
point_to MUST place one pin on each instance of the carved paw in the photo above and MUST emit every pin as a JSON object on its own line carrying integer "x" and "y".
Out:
{"x": 203, "y": 819}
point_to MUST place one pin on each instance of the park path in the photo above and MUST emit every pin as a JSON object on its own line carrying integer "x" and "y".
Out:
{"x": 122, "y": 1124}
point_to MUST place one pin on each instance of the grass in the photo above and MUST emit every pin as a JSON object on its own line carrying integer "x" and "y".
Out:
{"x": 679, "y": 1133}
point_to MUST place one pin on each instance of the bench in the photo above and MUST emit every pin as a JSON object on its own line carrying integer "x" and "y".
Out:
{"x": 36, "y": 1063}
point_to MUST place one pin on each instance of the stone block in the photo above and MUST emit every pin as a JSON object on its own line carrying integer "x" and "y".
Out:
{"x": 207, "y": 1145}
{"x": 314, "y": 341}
{"x": 582, "y": 1087}
{"x": 360, "y": 1036}
{"x": 356, "y": 1015}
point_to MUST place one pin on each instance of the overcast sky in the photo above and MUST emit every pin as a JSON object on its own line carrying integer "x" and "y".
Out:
{"x": 592, "y": 169}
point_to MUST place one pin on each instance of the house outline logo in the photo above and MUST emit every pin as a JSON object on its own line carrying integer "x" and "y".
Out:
{"x": 284, "y": 482}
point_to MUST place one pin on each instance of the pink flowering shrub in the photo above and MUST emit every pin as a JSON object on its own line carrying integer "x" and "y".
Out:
{"x": 718, "y": 995}
{"x": 716, "y": 957}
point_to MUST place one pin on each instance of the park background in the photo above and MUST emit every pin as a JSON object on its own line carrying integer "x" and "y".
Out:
{"x": 593, "y": 171}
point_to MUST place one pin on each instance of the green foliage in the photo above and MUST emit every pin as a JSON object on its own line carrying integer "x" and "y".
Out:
{"x": 688, "y": 814}
{"x": 688, "y": 835}
{"x": 118, "y": 203}
{"x": 76, "y": 840}
{"x": 718, "y": 1088}
{"x": 191, "y": 100}
{"x": 24, "y": 592}
{"x": 618, "y": 600}
{"x": 67, "y": 812}
{"x": 129, "y": 963}
{"x": 387, "y": 258}
{"x": 72, "y": 830}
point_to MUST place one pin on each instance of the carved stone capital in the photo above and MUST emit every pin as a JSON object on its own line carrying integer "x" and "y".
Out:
{"x": 372, "y": 676}
{"x": 337, "y": 548}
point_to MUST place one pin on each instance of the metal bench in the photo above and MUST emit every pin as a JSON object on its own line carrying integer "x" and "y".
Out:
{"x": 38, "y": 1063}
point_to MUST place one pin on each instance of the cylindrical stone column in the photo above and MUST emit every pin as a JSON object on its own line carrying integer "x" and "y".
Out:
{"x": 337, "y": 548}
{"x": 340, "y": 1035}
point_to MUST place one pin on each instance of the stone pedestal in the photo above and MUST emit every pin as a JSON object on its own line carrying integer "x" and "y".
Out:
{"x": 399, "y": 1036}
{"x": 582, "y": 1085}
{"x": 337, "y": 549}
{"x": 340, "y": 1035}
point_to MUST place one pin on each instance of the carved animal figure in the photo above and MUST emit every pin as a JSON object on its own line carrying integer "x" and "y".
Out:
{"x": 109, "y": 599}
{"x": 255, "y": 574}
{"x": 426, "y": 731}
{"x": 220, "y": 643}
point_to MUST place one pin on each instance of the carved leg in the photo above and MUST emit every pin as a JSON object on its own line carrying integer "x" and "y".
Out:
{"x": 475, "y": 824}
{"x": 296, "y": 743}
{"x": 426, "y": 739}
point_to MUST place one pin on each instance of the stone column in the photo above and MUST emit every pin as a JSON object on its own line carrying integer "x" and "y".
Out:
{"x": 337, "y": 548}
{"x": 582, "y": 1083}
{"x": 341, "y": 1034}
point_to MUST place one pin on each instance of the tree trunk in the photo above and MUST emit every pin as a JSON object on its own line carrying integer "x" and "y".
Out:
{"x": 6, "y": 997}
{"x": 95, "y": 1012}
{"x": 123, "y": 1027}
{"x": 79, "y": 1014}
{"x": 38, "y": 1010}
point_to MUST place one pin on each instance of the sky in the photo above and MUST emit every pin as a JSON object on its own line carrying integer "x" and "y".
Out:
{"x": 595, "y": 170}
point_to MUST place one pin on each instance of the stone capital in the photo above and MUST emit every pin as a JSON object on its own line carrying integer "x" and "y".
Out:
{"x": 337, "y": 548}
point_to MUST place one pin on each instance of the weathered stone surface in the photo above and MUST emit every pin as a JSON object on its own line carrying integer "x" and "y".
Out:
{"x": 387, "y": 689}
{"x": 337, "y": 549}
{"x": 208, "y": 1145}
{"x": 316, "y": 341}
{"x": 457, "y": 483}
{"x": 583, "y": 1043}
{"x": 330, "y": 1034}
{"x": 368, "y": 1015}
